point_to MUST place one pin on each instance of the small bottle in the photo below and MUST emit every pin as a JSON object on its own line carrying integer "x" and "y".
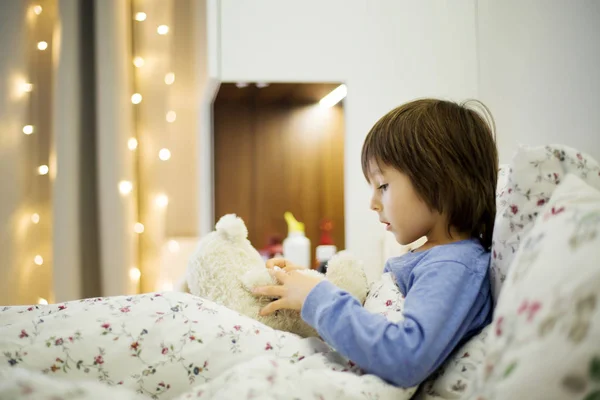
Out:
{"x": 326, "y": 248}
{"x": 324, "y": 254}
{"x": 296, "y": 247}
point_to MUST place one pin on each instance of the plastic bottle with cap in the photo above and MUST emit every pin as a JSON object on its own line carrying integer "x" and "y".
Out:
{"x": 326, "y": 248}
{"x": 296, "y": 247}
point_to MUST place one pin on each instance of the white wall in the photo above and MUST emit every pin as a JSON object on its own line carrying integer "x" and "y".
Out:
{"x": 540, "y": 72}
{"x": 387, "y": 51}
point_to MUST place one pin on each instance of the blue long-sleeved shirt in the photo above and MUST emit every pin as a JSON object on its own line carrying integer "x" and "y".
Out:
{"x": 447, "y": 300}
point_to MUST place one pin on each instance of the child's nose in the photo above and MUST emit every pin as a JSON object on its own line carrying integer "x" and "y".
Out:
{"x": 375, "y": 203}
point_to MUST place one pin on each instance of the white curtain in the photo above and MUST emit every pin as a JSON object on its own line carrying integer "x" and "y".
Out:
{"x": 112, "y": 201}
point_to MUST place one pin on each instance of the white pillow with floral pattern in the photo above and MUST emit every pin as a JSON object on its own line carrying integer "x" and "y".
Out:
{"x": 533, "y": 176}
{"x": 545, "y": 337}
{"x": 385, "y": 298}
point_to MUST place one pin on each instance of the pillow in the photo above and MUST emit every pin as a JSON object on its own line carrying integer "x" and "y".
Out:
{"x": 385, "y": 298}
{"x": 455, "y": 378}
{"x": 544, "y": 341}
{"x": 532, "y": 177}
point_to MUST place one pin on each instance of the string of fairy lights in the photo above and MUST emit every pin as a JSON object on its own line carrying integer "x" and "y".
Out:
{"x": 160, "y": 200}
{"x": 28, "y": 87}
{"x": 127, "y": 187}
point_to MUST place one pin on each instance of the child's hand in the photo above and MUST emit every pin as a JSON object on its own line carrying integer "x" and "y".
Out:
{"x": 292, "y": 292}
{"x": 282, "y": 263}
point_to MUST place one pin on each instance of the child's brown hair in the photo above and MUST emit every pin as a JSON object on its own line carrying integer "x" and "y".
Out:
{"x": 448, "y": 151}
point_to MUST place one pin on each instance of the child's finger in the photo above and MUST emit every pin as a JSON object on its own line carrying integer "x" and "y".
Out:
{"x": 272, "y": 291}
{"x": 279, "y": 274}
{"x": 273, "y": 306}
{"x": 276, "y": 262}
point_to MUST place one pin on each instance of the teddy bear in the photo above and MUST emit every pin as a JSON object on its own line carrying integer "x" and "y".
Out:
{"x": 225, "y": 268}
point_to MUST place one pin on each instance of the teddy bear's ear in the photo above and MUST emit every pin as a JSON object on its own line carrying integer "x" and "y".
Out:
{"x": 232, "y": 227}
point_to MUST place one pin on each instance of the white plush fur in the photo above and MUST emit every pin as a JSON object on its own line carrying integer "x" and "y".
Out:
{"x": 225, "y": 268}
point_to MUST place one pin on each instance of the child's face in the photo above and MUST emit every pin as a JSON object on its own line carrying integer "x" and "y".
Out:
{"x": 398, "y": 205}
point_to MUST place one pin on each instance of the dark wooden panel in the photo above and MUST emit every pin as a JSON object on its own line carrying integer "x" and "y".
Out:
{"x": 277, "y": 157}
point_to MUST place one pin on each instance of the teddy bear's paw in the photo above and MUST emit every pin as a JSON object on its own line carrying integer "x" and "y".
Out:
{"x": 232, "y": 227}
{"x": 255, "y": 278}
{"x": 347, "y": 272}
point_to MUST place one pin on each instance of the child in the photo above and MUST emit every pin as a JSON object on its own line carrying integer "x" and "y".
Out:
{"x": 432, "y": 165}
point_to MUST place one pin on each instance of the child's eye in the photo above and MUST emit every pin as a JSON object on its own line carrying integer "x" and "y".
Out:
{"x": 383, "y": 187}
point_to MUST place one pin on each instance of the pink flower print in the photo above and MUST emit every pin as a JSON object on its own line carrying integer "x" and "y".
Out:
{"x": 23, "y": 334}
{"x": 514, "y": 209}
{"x": 164, "y": 350}
{"x": 120, "y": 383}
{"x": 237, "y": 327}
{"x": 499, "y": 326}
{"x": 62, "y": 307}
{"x": 58, "y": 342}
{"x": 30, "y": 309}
{"x": 523, "y": 307}
{"x": 125, "y": 309}
{"x": 71, "y": 339}
{"x": 268, "y": 346}
{"x": 533, "y": 309}
{"x": 135, "y": 345}
{"x": 509, "y": 190}
{"x": 388, "y": 303}
{"x": 257, "y": 332}
{"x": 494, "y": 254}
{"x": 579, "y": 156}
{"x": 554, "y": 211}
{"x": 192, "y": 338}
{"x": 466, "y": 355}
{"x": 98, "y": 360}
{"x": 541, "y": 202}
{"x": 157, "y": 295}
{"x": 105, "y": 325}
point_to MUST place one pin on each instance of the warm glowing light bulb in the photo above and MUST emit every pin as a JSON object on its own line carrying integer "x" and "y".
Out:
{"x": 171, "y": 116}
{"x": 42, "y": 301}
{"x": 43, "y": 169}
{"x": 27, "y": 87}
{"x": 173, "y": 246}
{"x": 138, "y": 227}
{"x": 37, "y": 9}
{"x": 164, "y": 154}
{"x": 135, "y": 274}
{"x": 38, "y": 260}
{"x": 132, "y": 143}
{"x": 169, "y": 78}
{"x": 162, "y": 200}
{"x": 35, "y": 218}
{"x": 136, "y": 98}
{"x": 140, "y": 16}
{"x": 138, "y": 62}
{"x": 162, "y": 29}
{"x": 42, "y": 46}
{"x": 125, "y": 187}
{"x": 28, "y": 129}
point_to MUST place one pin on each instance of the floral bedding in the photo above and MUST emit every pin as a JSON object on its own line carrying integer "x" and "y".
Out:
{"x": 168, "y": 346}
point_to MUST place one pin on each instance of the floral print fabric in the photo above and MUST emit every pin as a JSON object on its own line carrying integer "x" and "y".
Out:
{"x": 532, "y": 177}
{"x": 544, "y": 340}
{"x": 174, "y": 345}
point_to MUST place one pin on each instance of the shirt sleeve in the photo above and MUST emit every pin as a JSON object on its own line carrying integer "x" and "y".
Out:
{"x": 437, "y": 313}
